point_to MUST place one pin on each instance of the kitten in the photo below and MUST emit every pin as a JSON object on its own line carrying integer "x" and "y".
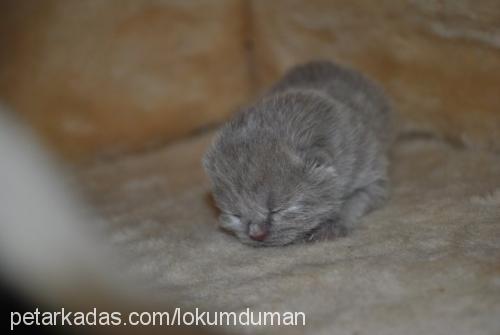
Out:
{"x": 304, "y": 162}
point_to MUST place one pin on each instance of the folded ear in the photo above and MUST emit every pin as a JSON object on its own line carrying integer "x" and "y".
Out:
{"x": 320, "y": 168}
{"x": 316, "y": 157}
{"x": 316, "y": 161}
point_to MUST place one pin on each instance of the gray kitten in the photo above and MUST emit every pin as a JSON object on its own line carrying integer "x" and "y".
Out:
{"x": 304, "y": 162}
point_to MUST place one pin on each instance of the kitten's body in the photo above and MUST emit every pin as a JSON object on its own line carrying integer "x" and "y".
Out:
{"x": 304, "y": 162}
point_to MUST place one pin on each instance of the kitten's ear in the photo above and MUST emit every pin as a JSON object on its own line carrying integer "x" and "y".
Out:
{"x": 208, "y": 161}
{"x": 319, "y": 162}
{"x": 205, "y": 162}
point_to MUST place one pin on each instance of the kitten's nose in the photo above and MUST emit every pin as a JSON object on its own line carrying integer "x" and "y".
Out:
{"x": 258, "y": 232}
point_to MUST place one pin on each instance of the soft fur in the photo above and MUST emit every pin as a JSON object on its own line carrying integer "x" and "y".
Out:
{"x": 305, "y": 161}
{"x": 425, "y": 263}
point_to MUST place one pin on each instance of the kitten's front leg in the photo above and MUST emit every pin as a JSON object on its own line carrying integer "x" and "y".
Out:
{"x": 328, "y": 230}
{"x": 363, "y": 201}
{"x": 355, "y": 206}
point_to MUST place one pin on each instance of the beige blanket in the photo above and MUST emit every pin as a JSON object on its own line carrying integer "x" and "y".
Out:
{"x": 426, "y": 263}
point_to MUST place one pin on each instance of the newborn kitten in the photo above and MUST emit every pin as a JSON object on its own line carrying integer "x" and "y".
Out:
{"x": 304, "y": 162}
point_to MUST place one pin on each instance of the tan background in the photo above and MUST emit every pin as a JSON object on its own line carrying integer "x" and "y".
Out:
{"x": 105, "y": 77}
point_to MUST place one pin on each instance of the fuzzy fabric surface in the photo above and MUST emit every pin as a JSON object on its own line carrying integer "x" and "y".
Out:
{"x": 426, "y": 263}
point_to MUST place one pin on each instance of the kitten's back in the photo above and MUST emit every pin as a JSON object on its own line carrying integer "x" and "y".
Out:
{"x": 344, "y": 85}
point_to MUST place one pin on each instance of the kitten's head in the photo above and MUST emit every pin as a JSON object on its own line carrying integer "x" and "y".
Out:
{"x": 269, "y": 194}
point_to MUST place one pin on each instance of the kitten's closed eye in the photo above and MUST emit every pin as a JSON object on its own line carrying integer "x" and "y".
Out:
{"x": 230, "y": 221}
{"x": 275, "y": 211}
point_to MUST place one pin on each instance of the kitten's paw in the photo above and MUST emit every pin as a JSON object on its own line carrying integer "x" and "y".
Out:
{"x": 327, "y": 231}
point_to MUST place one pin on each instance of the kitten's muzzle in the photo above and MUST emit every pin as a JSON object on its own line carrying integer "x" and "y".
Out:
{"x": 258, "y": 231}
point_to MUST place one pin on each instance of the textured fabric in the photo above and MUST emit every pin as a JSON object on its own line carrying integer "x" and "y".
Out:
{"x": 426, "y": 263}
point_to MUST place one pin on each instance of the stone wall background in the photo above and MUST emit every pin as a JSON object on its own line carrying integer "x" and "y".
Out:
{"x": 105, "y": 77}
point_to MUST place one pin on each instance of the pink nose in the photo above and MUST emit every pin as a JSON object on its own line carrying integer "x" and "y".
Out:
{"x": 258, "y": 232}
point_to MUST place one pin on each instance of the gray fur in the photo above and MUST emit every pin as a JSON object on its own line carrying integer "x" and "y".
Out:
{"x": 306, "y": 161}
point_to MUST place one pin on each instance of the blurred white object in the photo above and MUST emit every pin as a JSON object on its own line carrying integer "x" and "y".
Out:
{"x": 47, "y": 247}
